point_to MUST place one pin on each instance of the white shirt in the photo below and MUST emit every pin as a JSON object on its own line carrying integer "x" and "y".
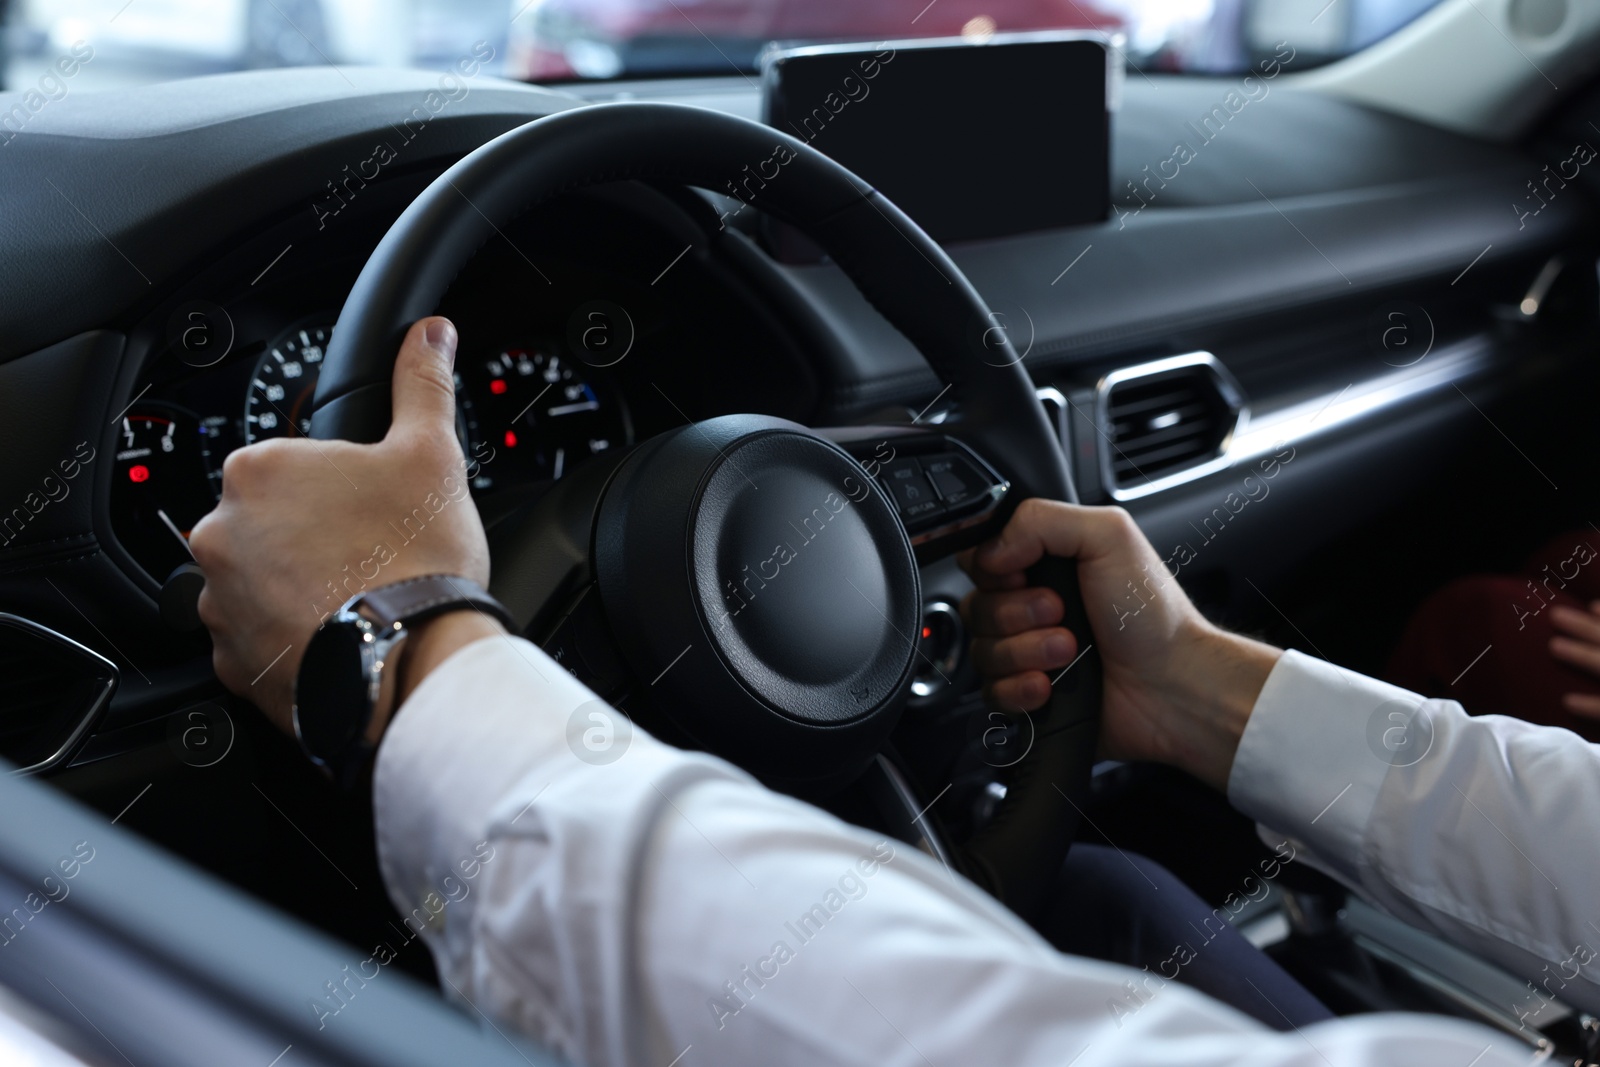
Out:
{"x": 666, "y": 905}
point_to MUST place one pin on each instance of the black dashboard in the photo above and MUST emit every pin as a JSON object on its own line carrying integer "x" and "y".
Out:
{"x": 159, "y": 316}
{"x": 575, "y": 340}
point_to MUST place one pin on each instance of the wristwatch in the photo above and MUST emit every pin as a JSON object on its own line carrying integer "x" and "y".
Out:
{"x": 342, "y": 673}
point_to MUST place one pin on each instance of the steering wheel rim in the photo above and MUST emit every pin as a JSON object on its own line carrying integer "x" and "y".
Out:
{"x": 896, "y": 266}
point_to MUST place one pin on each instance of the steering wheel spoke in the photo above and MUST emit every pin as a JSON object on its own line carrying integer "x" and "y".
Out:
{"x": 947, "y": 495}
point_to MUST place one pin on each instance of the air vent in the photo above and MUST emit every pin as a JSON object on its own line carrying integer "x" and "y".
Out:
{"x": 54, "y": 689}
{"x": 1166, "y": 422}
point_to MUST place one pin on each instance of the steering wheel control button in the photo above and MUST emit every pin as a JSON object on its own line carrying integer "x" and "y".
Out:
{"x": 910, "y": 490}
{"x": 960, "y": 484}
{"x": 944, "y": 492}
{"x": 758, "y": 579}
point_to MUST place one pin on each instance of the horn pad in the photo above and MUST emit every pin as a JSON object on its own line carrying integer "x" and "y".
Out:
{"x": 753, "y": 572}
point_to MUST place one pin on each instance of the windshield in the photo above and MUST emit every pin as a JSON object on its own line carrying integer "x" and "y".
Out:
{"x": 115, "y": 43}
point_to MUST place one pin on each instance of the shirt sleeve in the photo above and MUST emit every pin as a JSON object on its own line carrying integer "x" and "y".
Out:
{"x": 628, "y": 904}
{"x": 1481, "y": 829}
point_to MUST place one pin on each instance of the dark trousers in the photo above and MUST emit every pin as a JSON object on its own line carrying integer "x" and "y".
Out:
{"x": 1124, "y": 908}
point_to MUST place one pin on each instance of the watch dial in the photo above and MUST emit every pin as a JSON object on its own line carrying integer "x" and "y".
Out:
{"x": 330, "y": 699}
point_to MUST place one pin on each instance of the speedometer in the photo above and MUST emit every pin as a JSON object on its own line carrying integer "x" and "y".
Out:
{"x": 285, "y": 380}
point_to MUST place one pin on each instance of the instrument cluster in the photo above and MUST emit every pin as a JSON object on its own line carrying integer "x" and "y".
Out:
{"x": 526, "y": 410}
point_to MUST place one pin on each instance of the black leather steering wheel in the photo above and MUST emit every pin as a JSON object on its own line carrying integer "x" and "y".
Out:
{"x": 638, "y": 566}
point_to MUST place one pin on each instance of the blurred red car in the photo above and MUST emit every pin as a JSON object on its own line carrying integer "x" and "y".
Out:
{"x": 565, "y": 39}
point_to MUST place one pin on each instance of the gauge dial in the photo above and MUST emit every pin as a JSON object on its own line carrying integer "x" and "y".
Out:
{"x": 279, "y": 402}
{"x": 159, "y": 486}
{"x": 541, "y": 410}
{"x": 285, "y": 382}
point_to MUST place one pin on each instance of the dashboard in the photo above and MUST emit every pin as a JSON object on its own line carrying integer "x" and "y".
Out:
{"x": 562, "y": 357}
{"x": 192, "y": 319}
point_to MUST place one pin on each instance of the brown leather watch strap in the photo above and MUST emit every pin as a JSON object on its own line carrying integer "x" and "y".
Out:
{"x": 416, "y": 599}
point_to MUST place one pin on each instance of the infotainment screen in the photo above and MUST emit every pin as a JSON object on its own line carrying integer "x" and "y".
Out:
{"x": 971, "y": 140}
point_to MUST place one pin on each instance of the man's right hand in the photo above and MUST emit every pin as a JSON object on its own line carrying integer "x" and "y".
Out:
{"x": 1178, "y": 690}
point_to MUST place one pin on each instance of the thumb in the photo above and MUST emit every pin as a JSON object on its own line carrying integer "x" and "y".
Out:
{"x": 1050, "y": 527}
{"x": 424, "y": 394}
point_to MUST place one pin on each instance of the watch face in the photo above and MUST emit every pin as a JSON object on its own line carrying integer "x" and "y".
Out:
{"x": 331, "y": 701}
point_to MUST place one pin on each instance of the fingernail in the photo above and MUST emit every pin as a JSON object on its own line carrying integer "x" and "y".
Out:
{"x": 1057, "y": 648}
{"x": 441, "y": 336}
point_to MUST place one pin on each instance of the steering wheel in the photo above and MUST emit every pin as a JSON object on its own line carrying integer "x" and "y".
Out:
{"x": 751, "y": 581}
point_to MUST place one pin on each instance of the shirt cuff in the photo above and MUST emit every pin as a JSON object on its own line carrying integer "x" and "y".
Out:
{"x": 1315, "y": 753}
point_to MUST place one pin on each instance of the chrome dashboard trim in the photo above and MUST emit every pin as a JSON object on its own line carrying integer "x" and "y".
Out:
{"x": 1232, "y": 395}
{"x": 1359, "y": 401}
{"x": 1257, "y": 434}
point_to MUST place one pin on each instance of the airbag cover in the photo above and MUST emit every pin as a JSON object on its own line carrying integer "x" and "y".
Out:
{"x": 760, "y": 581}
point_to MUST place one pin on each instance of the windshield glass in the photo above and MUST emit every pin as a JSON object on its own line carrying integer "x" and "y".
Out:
{"x": 127, "y": 42}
